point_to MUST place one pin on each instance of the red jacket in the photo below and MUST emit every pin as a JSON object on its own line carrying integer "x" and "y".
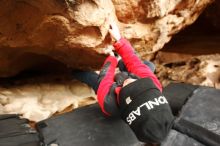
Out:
{"x": 133, "y": 64}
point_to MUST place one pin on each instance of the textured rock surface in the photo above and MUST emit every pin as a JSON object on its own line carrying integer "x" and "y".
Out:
{"x": 199, "y": 66}
{"x": 39, "y": 98}
{"x": 198, "y": 70}
{"x": 74, "y": 32}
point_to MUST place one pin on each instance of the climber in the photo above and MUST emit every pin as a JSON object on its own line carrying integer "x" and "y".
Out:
{"x": 134, "y": 94}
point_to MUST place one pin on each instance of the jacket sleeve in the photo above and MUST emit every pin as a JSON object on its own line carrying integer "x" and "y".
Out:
{"x": 133, "y": 63}
{"x": 106, "y": 80}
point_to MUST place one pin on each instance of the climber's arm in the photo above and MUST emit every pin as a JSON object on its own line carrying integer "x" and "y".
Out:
{"x": 131, "y": 61}
{"x": 106, "y": 80}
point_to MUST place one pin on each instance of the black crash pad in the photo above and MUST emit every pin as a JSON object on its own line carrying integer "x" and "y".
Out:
{"x": 198, "y": 122}
{"x": 86, "y": 126}
{"x": 176, "y": 138}
{"x": 17, "y": 132}
{"x": 177, "y": 95}
{"x": 203, "y": 109}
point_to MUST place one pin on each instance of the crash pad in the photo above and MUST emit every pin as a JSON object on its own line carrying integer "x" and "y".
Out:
{"x": 198, "y": 121}
{"x": 17, "y": 132}
{"x": 203, "y": 108}
{"x": 86, "y": 126}
{"x": 176, "y": 138}
{"x": 177, "y": 95}
{"x": 199, "y": 108}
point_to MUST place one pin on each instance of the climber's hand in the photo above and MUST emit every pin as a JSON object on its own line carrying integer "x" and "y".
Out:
{"x": 109, "y": 50}
{"x": 114, "y": 31}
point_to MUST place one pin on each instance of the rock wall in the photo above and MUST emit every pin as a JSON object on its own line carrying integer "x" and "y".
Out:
{"x": 37, "y": 98}
{"x": 75, "y": 32}
{"x": 193, "y": 55}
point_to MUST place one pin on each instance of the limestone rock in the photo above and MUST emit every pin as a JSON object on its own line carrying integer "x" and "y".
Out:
{"x": 39, "y": 98}
{"x": 200, "y": 66}
{"x": 75, "y": 32}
